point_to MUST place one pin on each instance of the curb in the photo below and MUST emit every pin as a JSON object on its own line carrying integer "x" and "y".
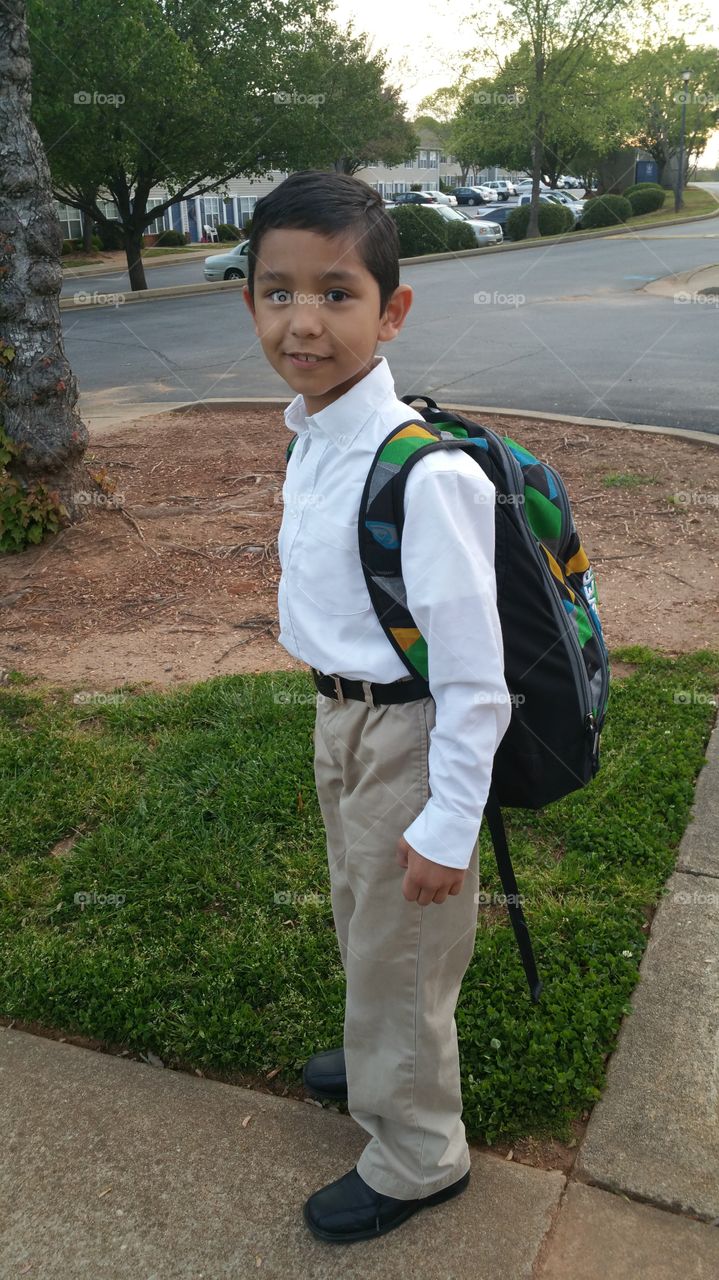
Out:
{"x": 177, "y": 291}
{"x": 120, "y": 297}
{"x": 472, "y": 410}
{"x": 98, "y": 267}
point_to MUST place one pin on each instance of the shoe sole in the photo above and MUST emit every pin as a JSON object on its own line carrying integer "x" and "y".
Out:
{"x": 447, "y": 1193}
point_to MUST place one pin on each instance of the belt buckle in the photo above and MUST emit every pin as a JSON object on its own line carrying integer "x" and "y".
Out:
{"x": 338, "y": 688}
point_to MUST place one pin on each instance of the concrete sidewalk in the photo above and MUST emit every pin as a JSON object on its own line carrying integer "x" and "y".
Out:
{"x": 110, "y": 1168}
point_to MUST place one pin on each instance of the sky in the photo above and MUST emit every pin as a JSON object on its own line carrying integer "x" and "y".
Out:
{"x": 424, "y": 41}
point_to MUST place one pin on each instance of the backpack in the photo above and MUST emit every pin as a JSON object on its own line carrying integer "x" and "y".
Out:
{"x": 556, "y": 663}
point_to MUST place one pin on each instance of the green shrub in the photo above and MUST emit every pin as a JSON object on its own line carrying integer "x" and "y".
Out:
{"x": 642, "y": 186}
{"x": 27, "y": 512}
{"x": 67, "y": 246}
{"x": 227, "y": 231}
{"x": 460, "y": 236}
{"x": 169, "y": 238}
{"x": 646, "y": 200}
{"x": 421, "y": 230}
{"x": 76, "y": 244}
{"x": 606, "y": 211}
{"x": 554, "y": 218}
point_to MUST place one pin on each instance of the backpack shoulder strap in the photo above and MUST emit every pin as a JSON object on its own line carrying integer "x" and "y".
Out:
{"x": 381, "y": 518}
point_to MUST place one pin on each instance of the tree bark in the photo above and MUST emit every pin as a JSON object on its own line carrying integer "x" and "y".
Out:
{"x": 135, "y": 265}
{"x": 86, "y": 234}
{"x": 38, "y": 392}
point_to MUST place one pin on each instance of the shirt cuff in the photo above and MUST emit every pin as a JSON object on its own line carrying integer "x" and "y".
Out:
{"x": 442, "y": 836}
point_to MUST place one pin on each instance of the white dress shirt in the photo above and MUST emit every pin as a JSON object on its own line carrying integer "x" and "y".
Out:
{"x": 327, "y": 618}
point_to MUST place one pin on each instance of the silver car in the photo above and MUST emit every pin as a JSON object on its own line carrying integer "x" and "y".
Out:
{"x": 485, "y": 232}
{"x": 228, "y": 266}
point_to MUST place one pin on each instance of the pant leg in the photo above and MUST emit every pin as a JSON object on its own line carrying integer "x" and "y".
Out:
{"x": 328, "y": 781}
{"x": 404, "y": 963}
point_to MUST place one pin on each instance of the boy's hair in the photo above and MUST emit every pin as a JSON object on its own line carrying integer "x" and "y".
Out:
{"x": 331, "y": 203}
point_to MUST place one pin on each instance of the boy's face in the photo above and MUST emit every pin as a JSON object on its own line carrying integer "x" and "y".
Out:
{"x": 314, "y": 297}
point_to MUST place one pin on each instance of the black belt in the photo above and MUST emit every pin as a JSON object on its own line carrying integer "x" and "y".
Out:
{"x": 408, "y": 689}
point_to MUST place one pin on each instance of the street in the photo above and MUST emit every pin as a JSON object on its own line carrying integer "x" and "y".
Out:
{"x": 561, "y": 329}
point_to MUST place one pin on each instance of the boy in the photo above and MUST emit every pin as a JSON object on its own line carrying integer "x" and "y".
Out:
{"x": 401, "y": 778}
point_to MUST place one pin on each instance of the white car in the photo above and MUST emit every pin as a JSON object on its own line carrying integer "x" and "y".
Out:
{"x": 502, "y": 188}
{"x": 442, "y": 198}
{"x": 526, "y": 185}
{"x": 484, "y": 232}
{"x": 228, "y": 266}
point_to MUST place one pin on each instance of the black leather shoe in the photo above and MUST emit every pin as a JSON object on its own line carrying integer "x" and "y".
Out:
{"x": 349, "y": 1209}
{"x": 325, "y": 1076}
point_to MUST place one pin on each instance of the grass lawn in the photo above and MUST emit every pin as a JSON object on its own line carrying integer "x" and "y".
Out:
{"x": 197, "y": 809}
{"x": 695, "y": 201}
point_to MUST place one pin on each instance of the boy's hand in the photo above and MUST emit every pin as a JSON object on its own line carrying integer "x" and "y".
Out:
{"x": 426, "y": 881}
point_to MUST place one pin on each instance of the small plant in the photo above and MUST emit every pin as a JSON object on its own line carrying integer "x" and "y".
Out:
{"x": 421, "y": 230}
{"x": 647, "y": 200}
{"x": 28, "y": 513}
{"x": 167, "y": 238}
{"x": 554, "y": 218}
{"x": 606, "y": 211}
{"x": 461, "y": 236}
{"x": 627, "y": 480}
{"x": 227, "y": 231}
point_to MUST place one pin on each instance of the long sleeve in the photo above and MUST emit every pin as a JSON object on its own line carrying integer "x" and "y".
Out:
{"x": 448, "y": 570}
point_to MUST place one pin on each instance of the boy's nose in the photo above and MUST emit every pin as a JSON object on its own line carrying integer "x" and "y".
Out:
{"x": 306, "y": 317}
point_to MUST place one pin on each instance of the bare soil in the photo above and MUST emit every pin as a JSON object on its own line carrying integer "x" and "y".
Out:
{"x": 178, "y": 581}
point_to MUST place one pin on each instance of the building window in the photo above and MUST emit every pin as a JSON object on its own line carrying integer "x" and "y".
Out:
{"x": 247, "y": 205}
{"x": 212, "y": 210}
{"x": 161, "y": 223}
{"x": 70, "y": 221}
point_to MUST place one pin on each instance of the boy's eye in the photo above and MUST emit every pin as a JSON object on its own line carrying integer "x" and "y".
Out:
{"x": 342, "y": 292}
{"x": 286, "y": 292}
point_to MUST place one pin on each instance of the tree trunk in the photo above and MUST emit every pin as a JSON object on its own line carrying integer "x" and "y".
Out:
{"x": 135, "y": 265}
{"x": 38, "y": 391}
{"x": 86, "y": 234}
{"x": 537, "y": 160}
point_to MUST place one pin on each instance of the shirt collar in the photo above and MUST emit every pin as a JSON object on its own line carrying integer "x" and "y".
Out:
{"x": 342, "y": 420}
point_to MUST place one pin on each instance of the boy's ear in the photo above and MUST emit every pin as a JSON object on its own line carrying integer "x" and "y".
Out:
{"x": 395, "y": 313}
{"x": 250, "y": 304}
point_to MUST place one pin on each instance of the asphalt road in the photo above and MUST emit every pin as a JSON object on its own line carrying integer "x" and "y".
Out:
{"x": 565, "y": 328}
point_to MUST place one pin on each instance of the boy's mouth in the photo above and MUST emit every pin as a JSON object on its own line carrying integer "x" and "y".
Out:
{"x": 302, "y": 359}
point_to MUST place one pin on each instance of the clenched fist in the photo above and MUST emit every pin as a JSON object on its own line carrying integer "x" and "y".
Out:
{"x": 426, "y": 881}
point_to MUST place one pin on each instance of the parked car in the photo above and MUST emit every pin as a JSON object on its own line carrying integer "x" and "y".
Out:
{"x": 443, "y": 198}
{"x": 485, "y": 232}
{"x": 502, "y": 188}
{"x": 474, "y": 195}
{"x": 415, "y": 197}
{"x": 228, "y": 266}
{"x": 496, "y": 213}
{"x": 571, "y": 202}
{"x": 568, "y": 181}
{"x": 526, "y": 185}
{"x": 554, "y": 197}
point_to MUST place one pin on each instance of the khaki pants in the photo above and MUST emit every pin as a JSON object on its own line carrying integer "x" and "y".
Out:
{"x": 403, "y": 963}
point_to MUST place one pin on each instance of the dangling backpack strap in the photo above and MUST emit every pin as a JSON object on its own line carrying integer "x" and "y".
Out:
{"x": 495, "y": 822}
